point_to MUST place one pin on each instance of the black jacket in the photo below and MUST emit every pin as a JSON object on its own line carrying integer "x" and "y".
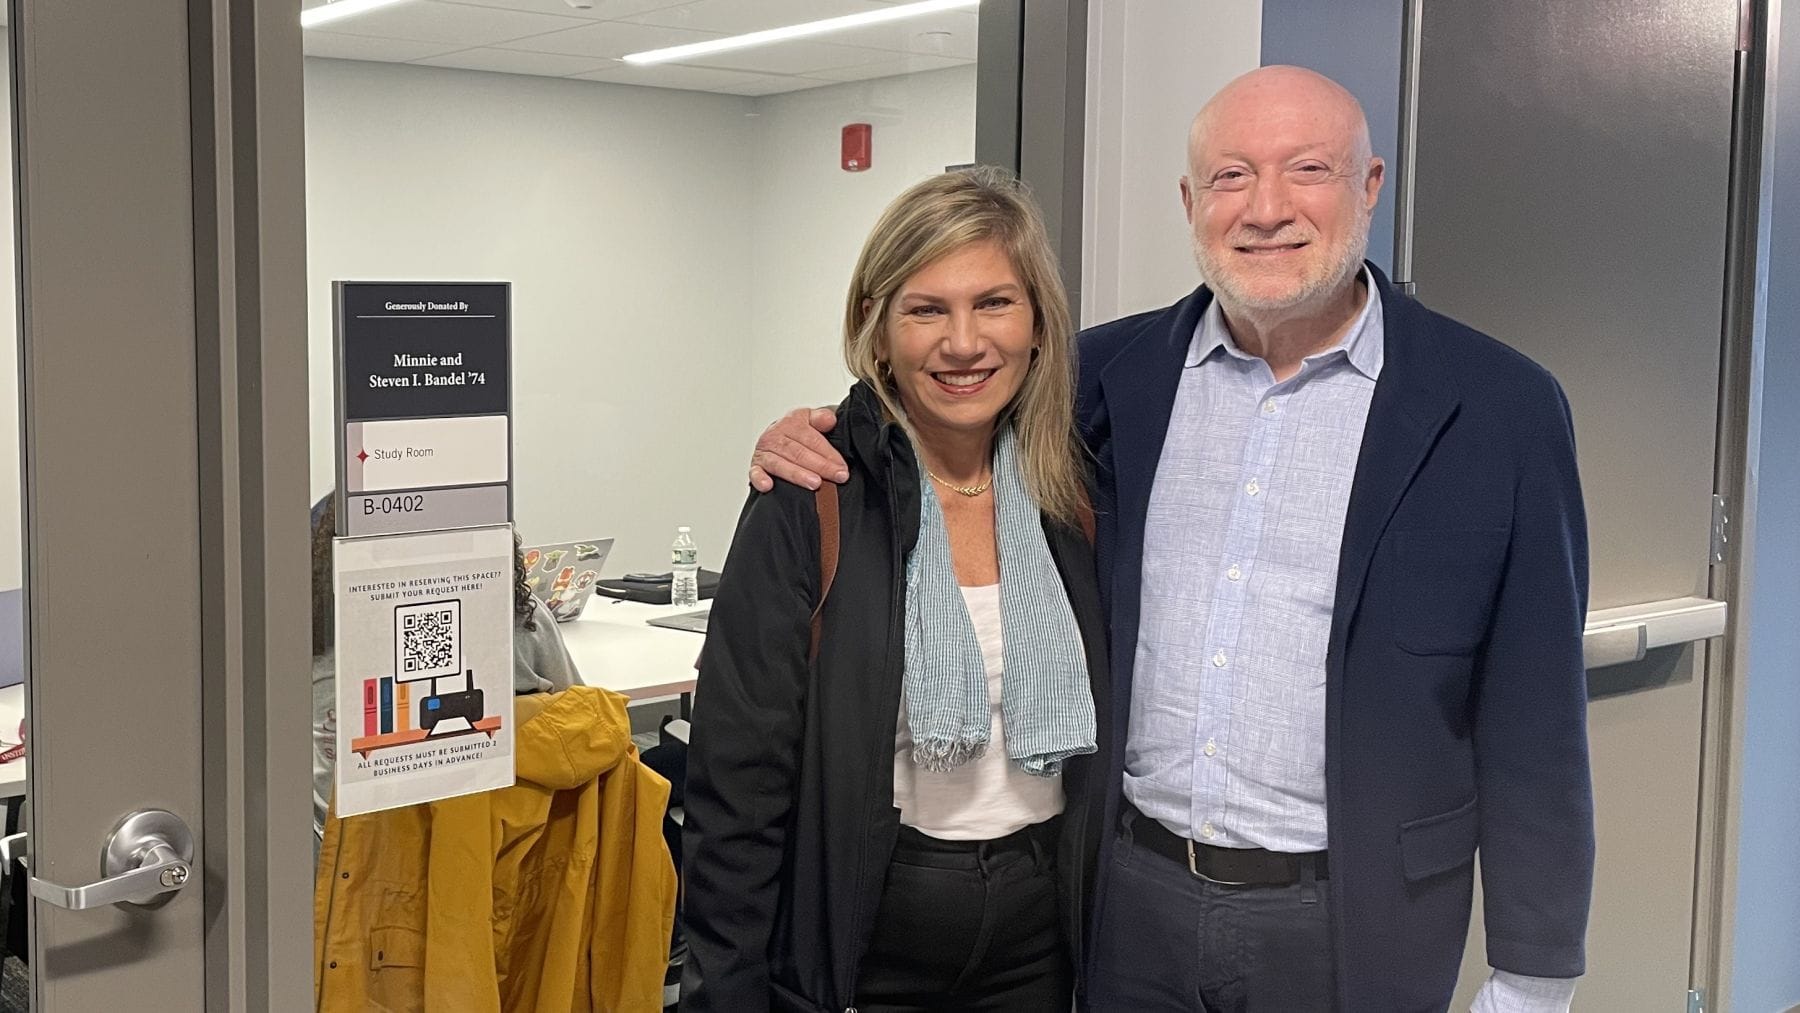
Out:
{"x": 790, "y": 804}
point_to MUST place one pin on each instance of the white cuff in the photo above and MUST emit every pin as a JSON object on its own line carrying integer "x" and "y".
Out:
{"x": 1506, "y": 992}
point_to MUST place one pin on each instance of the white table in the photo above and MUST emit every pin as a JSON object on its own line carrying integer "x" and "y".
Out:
{"x": 615, "y": 650}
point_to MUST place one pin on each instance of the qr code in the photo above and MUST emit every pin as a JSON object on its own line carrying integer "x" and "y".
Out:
{"x": 430, "y": 640}
{"x": 427, "y": 640}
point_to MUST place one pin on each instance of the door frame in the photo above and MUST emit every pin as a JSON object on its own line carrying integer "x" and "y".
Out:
{"x": 1031, "y": 113}
{"x": 249, "y": 158}
{"x": 1745, "y": 333}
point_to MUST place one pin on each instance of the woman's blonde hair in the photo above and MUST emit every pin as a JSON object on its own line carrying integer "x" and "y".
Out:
{"x": 931, "y": 220}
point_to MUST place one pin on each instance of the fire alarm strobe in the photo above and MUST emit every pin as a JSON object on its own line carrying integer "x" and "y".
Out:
{"x": 856, "y": 147}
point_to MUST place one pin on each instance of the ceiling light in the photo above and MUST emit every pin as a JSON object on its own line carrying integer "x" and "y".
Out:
{"x": 763, "y": 38}
{"x": 337, "y": 9}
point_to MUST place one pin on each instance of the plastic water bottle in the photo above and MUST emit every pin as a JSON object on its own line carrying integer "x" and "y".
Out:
{"x": 684, "y": 558}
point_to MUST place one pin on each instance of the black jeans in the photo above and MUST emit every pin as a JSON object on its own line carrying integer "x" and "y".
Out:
{"x": 1170, "y": 943}
{"x": 969, "y": 926}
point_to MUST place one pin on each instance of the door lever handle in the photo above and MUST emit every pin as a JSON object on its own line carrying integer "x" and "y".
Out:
{"x": 162, "y": 872}
{"x": 148, "y": 856}
{"x": 12, "y": 849}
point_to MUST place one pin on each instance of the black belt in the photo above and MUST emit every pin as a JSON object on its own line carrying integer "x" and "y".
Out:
{"x": 1227, "y": 866}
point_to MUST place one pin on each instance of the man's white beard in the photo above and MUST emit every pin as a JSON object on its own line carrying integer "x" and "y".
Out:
{"x": 1336, "y": 271}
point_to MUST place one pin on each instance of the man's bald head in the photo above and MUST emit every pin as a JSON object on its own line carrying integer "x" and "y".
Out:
{"x": 1268, "y": 93}
{"x": 1280, "y": 189}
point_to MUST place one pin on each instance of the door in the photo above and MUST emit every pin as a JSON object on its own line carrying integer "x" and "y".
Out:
{"x": 1572, "y": 170}
{"x": 162, "y": 383}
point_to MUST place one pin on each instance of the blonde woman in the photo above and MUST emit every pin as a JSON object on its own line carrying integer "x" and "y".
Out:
{"x": 901, "y": 824}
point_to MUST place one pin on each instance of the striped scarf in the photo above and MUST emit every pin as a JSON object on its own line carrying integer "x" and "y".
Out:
{"x": 1046, "y": 704}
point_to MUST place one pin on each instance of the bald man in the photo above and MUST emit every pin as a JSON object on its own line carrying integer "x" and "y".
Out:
{"x": 1344, "y": 557}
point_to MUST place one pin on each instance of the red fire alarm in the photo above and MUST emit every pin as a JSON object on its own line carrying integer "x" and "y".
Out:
{"x": 856, "y": 147}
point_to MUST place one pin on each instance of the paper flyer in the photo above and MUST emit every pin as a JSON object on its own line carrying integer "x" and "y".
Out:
{"x": 424, "y": 666}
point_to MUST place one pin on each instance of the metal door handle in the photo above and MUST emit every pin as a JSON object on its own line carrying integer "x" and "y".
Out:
{"x": 149, "y": 855}
{"x": 12, "y": 849}
{"x": 1622, "y": 635}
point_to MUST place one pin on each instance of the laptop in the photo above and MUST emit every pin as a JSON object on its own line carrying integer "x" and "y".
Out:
{"x": 692, "y": 622}
{"x": 563, "y": 574}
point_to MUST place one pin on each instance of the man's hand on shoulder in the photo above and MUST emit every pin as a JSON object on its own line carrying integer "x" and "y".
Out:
{"x": 794, "y": 449}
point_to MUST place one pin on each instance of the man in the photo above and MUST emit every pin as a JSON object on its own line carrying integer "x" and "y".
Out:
{"x": 1344, "y": 554}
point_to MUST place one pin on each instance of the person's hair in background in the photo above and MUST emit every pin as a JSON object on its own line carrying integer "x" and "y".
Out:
{"x": 939, "y": 216}
{"x": 524, "y": 601}
{"x": 324, "y": 592}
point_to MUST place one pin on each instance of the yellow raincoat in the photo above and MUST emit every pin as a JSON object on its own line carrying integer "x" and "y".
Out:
{"x": 554, "y": 894}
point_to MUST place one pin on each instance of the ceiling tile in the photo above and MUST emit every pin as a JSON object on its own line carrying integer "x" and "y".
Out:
{"x": 608, "y": 40}
{"x": 798, "y": 57}
{"x": 357, "y": 47}
{"x": 513, "y": 61}
{"x": 772, "y": 84}
{"x": 735, "y": 17}
{"x": 451, "y": 23}
{"x": 946, "y": 33}
{"x": 602, "y": 10}
{"x": 670, "y": 76}
{"x": 889, "y": 68}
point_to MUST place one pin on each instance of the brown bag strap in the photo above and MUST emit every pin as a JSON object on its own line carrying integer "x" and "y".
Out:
{"x": 826, "y": 498}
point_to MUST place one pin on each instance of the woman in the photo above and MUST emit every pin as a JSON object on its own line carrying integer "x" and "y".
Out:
{"x": 899, "y": 824}
{"x": 541, "y": 663}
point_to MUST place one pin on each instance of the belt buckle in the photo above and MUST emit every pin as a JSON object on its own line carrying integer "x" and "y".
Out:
{"x": 1194, "y": 870}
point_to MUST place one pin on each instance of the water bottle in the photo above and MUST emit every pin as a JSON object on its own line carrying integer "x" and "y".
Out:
{"x": 684, "y": 557}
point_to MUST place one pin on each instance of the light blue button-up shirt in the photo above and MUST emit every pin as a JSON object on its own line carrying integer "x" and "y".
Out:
{"x": 1227, "y": 741}
{"x": 1246, "y": 519}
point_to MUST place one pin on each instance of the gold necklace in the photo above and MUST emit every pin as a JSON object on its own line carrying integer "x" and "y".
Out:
{"x": 966, "y": 490}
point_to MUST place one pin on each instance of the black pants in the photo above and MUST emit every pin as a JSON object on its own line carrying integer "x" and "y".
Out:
{"x": 969, "y": 926}
{"x": 1170, "y": 943}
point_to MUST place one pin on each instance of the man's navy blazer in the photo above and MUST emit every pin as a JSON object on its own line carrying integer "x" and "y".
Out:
{"x": 1456, "y": 699}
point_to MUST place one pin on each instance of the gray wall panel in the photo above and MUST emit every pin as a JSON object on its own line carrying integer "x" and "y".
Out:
{"x": 1357, "y": 45}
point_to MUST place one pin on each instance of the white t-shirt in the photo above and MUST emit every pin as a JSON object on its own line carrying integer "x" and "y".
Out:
{"x": 986, "y": 798}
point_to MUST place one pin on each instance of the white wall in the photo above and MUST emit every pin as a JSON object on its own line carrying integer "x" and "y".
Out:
{"x": 1151, "y": 65}
{"x": 650, "y": 235}
{"x": 622, "y": 218}
{"x": 811, "y": 216}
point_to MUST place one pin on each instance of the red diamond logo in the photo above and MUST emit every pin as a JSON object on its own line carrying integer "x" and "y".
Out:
{"x": 362, "y": 455}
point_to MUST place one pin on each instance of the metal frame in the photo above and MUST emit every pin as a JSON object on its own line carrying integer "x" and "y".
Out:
{"x": 1031, "y": 112}
{"x": 250, "y": 271}
{"x": 1000, "y": 52}
{"x": 1405, "y": 158}
{"x": 1738, "y": 447}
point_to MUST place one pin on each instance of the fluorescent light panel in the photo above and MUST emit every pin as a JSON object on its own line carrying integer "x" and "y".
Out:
{"x": 763, "y": 38}
{"x": 339, "y": 9}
